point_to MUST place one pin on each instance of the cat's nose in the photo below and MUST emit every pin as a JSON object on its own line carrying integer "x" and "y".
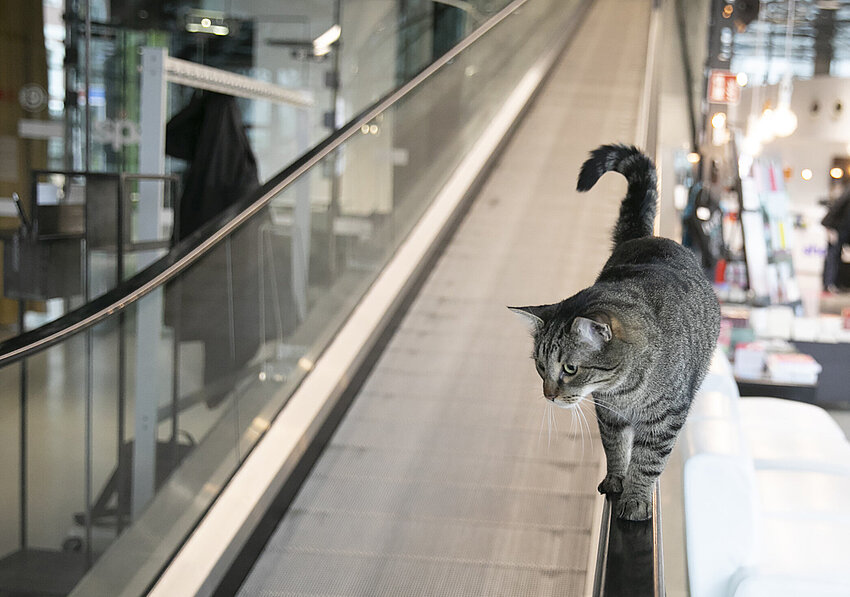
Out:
{"x": 550, "y": 389}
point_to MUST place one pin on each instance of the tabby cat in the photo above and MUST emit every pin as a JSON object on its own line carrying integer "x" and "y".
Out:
{"x": 637, "y": 343}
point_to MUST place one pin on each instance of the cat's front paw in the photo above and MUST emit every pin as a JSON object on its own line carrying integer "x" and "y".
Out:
{"x": 611, "y": 484}
{"x": 633, "y": 508}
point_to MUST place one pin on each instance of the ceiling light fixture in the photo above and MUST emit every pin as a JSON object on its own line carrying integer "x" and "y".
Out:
{"x": 322, "y": 44}
{"x": 206, "y": 22}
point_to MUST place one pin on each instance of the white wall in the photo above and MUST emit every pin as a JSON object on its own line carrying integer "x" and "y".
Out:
{"x": 819, "y": 137}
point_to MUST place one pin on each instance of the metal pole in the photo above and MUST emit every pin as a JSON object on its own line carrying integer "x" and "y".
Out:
{"x": 149, "y": 311}
{"x": 122, "y": 432}
{"x": 23, "y": 462}
{"x": 119, "y": 231}
{"x": 231, "y": 320}
{"x": 88, "y": 336}
{"x": 335, "y": 182}
{"x": 88, "y": 446}
{"x": 88, "y": 87}
{"x": 122, "y": 365}
{"x": 176, "y": 292}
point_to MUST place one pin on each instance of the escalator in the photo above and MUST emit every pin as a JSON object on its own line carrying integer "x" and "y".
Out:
{"x": 439, "y": 481}
{"x": 440, "y": 478}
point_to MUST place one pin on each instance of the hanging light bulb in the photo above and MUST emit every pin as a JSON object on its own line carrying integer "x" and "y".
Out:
{"x": 784, "y": 119}
{"x": 765, "y": 131}
{"x": 718, "y": 121}
{"x": 751, "y": 146}
{"x": 751, "y": 143}
{"x": 745, "y": 162}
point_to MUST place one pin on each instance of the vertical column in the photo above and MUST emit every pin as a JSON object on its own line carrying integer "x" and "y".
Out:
{"x": 149, "y": 311}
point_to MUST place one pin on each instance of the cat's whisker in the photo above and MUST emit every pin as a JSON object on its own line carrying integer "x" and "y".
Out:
{"x": 572, "y": 423}
{"x": 555, "y": 422}
{"x": 593, "y": 412}
{"x": 581, "y": 431}
{"x": 581, "y": 423}
{"x": 596, "y": 416}
{"x": 587, "y": 425}
{"x": 542, "y": 420}
{"x": 610, "y": 407}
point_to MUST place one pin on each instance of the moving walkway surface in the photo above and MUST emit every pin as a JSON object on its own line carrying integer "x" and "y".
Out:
{"x": 447, "y": 476}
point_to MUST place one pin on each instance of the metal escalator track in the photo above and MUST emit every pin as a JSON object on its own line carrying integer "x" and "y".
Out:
{"x": 442, "y": 479}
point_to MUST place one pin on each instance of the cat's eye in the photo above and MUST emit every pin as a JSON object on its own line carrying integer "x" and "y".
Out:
{"x": 570, "y": 369}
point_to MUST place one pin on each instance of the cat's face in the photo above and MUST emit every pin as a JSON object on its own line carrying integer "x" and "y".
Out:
{"x": 572, "y": 358}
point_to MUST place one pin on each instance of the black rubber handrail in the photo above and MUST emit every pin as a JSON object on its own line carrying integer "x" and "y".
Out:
{"x": 195, "y": 246}
{"x": 629, "y": 560}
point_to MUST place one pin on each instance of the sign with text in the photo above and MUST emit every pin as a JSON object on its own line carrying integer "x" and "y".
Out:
{"x": 723, "y": 87}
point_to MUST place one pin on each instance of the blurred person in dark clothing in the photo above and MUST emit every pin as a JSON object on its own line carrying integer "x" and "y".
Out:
{"x": 837, "y": 224}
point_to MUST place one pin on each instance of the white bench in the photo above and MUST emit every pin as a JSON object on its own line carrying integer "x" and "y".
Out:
{"x": 767, "y": 495}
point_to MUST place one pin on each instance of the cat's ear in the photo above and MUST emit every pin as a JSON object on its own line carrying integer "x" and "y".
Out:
{"x": 592, "y": 332}
{"x": 532, "y": 316}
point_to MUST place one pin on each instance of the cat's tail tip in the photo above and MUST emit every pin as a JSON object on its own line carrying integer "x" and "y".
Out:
{"x": 604, "y": 159}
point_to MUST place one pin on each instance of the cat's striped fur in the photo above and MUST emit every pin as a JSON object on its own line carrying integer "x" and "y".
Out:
{"x": 638, "y": 342}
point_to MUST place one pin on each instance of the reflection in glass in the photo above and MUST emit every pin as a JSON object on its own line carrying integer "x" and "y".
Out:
{"x": 134, "y": 425}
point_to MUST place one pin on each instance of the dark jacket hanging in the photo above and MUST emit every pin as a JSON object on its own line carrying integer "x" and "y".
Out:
{"x": 216, "y": 301}
{"x": 209, "y": 134}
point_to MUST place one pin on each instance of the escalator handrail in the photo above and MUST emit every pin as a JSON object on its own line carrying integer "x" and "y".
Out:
{"x": 195, "y": 246}
{"x": 629, "y": 556}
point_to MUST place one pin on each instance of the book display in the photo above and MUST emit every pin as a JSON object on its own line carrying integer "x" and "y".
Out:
{"x": 759, "y": 236}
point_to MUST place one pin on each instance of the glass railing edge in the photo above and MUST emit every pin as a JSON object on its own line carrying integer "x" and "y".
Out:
{"x": 193, "y": 247}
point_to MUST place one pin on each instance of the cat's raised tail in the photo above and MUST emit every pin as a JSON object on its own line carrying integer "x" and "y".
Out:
{"x": 637, "y": 210}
